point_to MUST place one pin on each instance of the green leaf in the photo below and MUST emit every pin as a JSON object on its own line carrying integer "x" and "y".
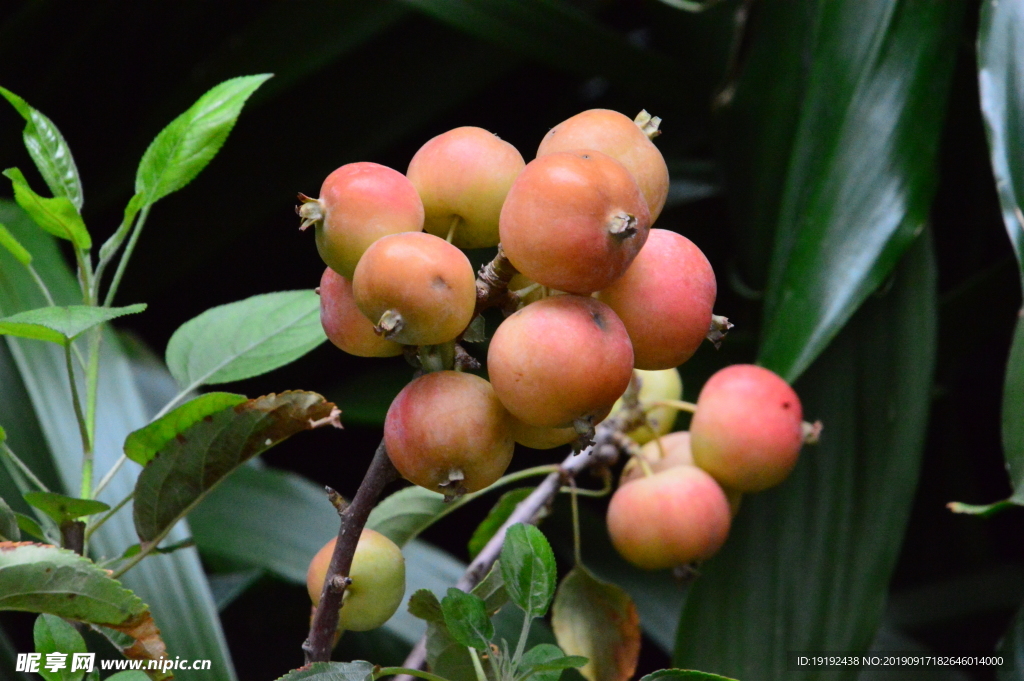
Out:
{"x": 14, "y": 246}
{"x": 184, "y": 147}
{"x": 1012, "y": 649}
{"x": 496, "y": 518}
{"x": 538, "y": 657}
{"x": 1000, "y": 81}
{"x": 131, "y": 675}
{"x": 46, "y": 579}
{"x": 424, "y": 605}
{"x": 64, "y": 508}
{"x": 35, "y": 402}
{"x": 244, "y": 339}
{"x": 182, "y": 472}
{"x": 467, "y": 619}
{"x": 54, "y": 635}
{"x": 446, "y": 657}
{"x": 598, "y": 621}
{"x": 8, "y": 522}
{"x": 562, "y": 36}
{"x": 775, "y": 586}
{"x": 404, "y": 514}
{"x": 142, "y": 445}
{"x": 1001, "y": 85}
{"x": 332, "y": 671}
{"x": 861, "y": 167}
{"x": 492, "y": 589}
{"x": 29, "y": 526}
{"x": 62, "y": 325}
{"x": 49, "y": 151}
{"x": 528, "y": 568}
{"x": 58, "y": 215}
{"x": 683, "y": 675}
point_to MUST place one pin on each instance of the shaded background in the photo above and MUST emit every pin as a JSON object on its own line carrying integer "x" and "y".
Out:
{"x": 372, "y": 81}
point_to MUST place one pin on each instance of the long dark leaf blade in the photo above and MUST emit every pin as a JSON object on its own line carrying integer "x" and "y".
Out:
{"x": 49, "y": 151}
{"x": 34, "y": 380}
{"x": 1001, "y": 86}
{"x": 560, "y": 35}
{"x": 861, "y": 172}
{"x": 188, "y": 466}
{"x": 807, "y": 564}
{"x": 183, "y": 148}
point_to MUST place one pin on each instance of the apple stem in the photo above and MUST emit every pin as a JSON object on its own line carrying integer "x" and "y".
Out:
{"x": 318, "y": 645}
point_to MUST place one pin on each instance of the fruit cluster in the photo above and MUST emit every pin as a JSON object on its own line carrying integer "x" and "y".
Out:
{"x": 590, "y": 290}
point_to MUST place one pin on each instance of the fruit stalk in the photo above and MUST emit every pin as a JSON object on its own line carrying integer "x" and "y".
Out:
{"x": 604, "y": 452}
{"x": 318, "y": 645}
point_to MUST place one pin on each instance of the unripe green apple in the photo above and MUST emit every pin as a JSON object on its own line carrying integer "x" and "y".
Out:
{"x": 671, "y": 518}
{"x": 560, "y": 359}
{"x": 378, "y": 581}
{"x": 621, "y": 138}
{"x": 747, "y": 430}
{"x": 574, "y": 221}
{"x": 665, "y": 299}
{"x": 416, "y": 288}
{"x": 447, "y": 431}
{"x": 665, "y": 384}
{"x": 359, "y": 203}
{"x": 463, "y": 176}
{"x": 345, "y": 325}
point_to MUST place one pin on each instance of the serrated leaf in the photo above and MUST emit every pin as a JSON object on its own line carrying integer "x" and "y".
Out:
{"x": 62, "y": 325}
{"x": 598, "y": 621}
{"x": 528, "y": 568}
{"x": 244, "y": 339}
{"x": 476, "y": 332}
{"x": 404, "y": 514}
{"x": 446, "y": 657}
{"x": 143, "y": 444}
{"x": 184, "y": 147}
{"x": 774, "y": 587}
{"x": 63, "y": 508}
{"x": 58, "y": 215}
{"x": 51, "y": 634}
{"x": 46, "y": 579}
{"x": 860, "y": 169}
{"x": 35, "y": 403}
{"x": 496, "y": 518}
{"x": 199, "y": 457}
{"x": 683, "y": 675}
{"x": 424, "y": 605}
{"x": 48, "y": 150}
{"x": 492, "y": 589}
{"x": 332, "y": 671}
{"x": 14, "y": 246}
{"x": 540, "y": 655}
{"x": 467, "y": 620}
{"x": 8, "y": 522}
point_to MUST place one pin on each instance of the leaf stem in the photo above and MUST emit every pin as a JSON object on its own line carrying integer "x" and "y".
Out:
{"x": 86, "y": 486}
{"x": 123, "y": 263}
{"x": 524, "y": 634}
{"x": 92, "y": 380}
{"x": 41, "y": 284}
{"x": 576, "y": 552}
{"x": 95, "y": 526}
{"x": 678, "y": 405}
{"x": 22, "y": 468}
{"x": 105, "y": 480}
{"x": 477, "y": 667}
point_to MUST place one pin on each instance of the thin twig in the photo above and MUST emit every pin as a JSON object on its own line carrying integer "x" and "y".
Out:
{"x": 320, "y": 641}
